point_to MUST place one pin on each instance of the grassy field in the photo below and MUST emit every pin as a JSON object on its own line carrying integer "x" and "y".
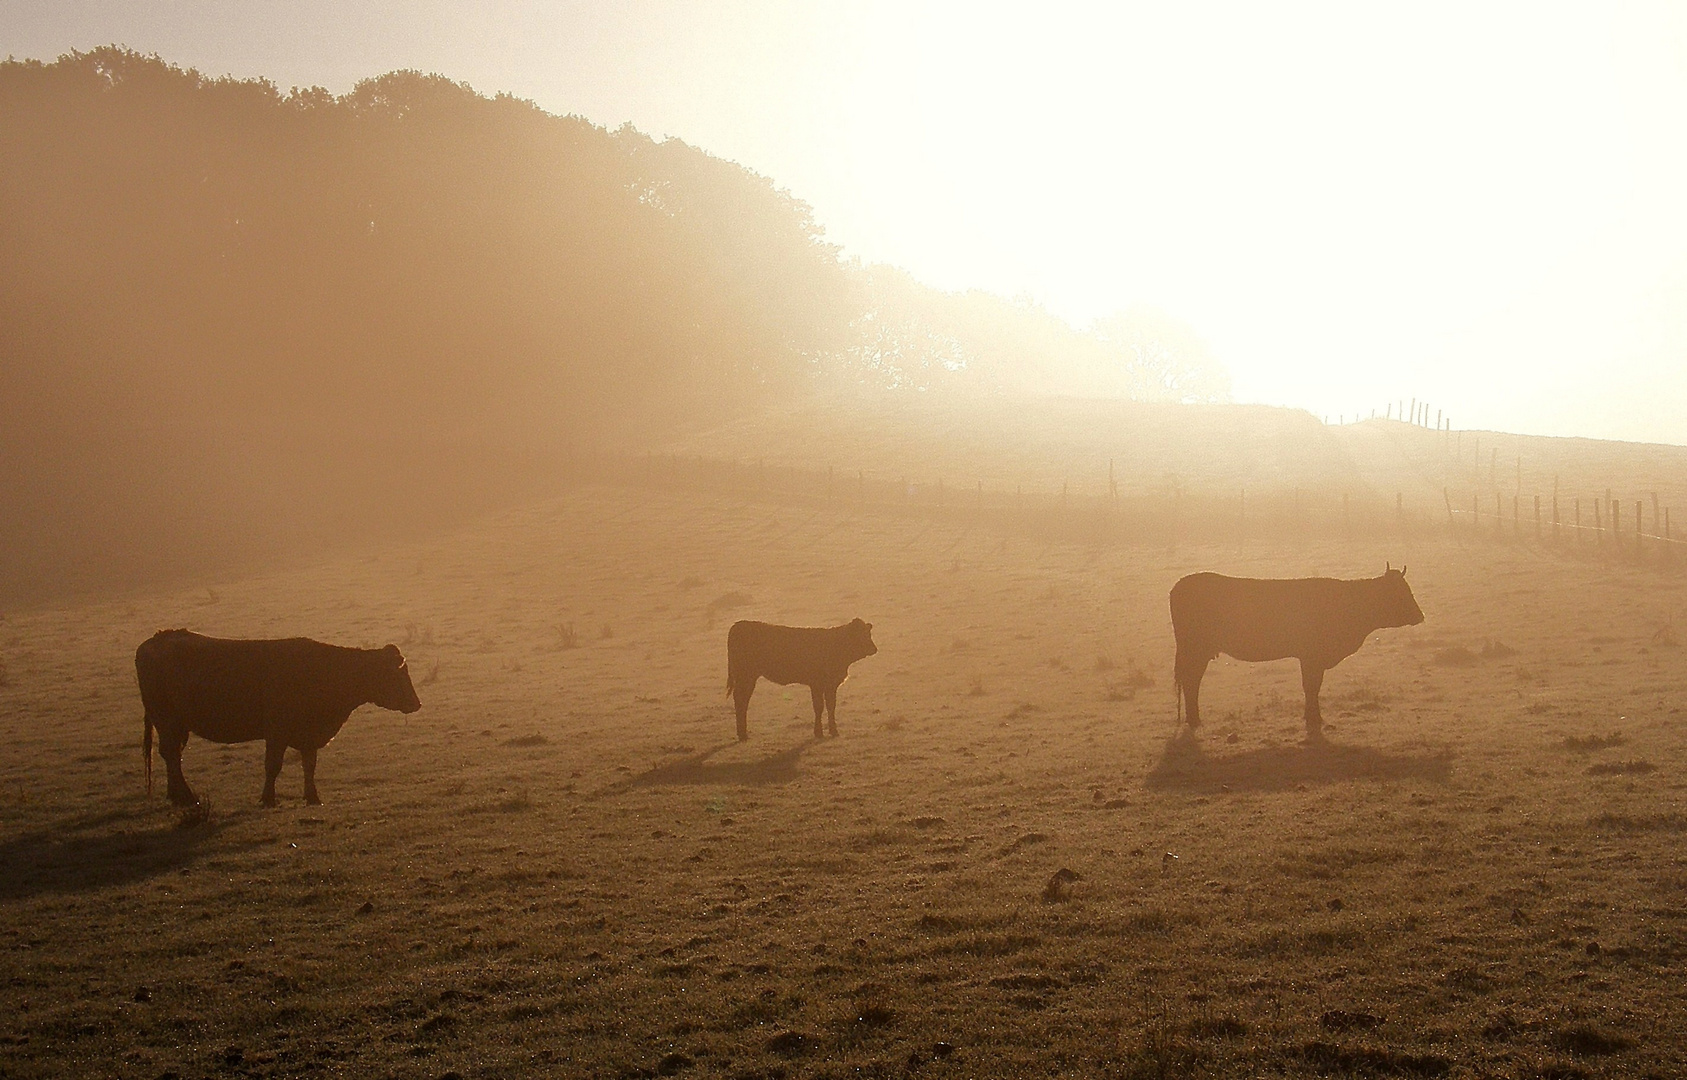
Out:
{"x": 566, "y": 864}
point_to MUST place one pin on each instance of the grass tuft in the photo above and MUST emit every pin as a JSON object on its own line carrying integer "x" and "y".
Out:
{"x": 1330, "y": 1058}
{"x": 1664, "y": 822}
{"x": 1588, "y": 1040}
{"x": 1632, "y": 767}
{"x": 196, "y": 815}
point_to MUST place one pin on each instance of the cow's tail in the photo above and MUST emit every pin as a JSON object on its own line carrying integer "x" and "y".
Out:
{"x": 146, "y": 749}
{"x": 731, "y": 683}
{"x": 1179, "y": 683}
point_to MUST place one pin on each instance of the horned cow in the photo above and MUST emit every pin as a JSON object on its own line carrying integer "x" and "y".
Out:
{"x": 814, "y": 655}
{"x": 289, "y": 692}
{"x": 1320, "y": 621}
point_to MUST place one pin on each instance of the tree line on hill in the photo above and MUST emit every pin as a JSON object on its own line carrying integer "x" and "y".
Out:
{"x": 223, "y": 304}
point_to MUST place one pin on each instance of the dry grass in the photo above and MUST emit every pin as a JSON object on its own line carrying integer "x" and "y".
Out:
{"x": 575, "y": 869}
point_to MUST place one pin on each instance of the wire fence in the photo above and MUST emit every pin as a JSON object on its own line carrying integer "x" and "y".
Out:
{"x": 1604, "y": 528}
{"x": 1128, "y": 510}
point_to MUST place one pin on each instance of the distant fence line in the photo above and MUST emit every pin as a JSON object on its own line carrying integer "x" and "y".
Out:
{"x": 1555, "y": 523}
{"x": 1606, "y": 526}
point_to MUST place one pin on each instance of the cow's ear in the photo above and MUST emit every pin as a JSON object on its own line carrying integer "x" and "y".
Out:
{"x": 394, "y": 655}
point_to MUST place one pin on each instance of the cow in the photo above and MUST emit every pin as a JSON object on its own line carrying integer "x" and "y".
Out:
{"x": 1320, "y": 621}
{"x": 818, "y": 656}
{"x": 289, "y": 692}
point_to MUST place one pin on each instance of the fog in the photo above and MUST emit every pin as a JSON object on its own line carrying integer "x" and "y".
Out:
{"x": 470, "y": 438}
{"x": 1474, "y": 206}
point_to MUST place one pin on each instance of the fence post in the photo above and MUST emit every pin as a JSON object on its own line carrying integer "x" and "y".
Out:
{"x": 1112, "y": 486}
{"x": 1638, "y": 531}
{"x": 1499, "y": 518}
{"x": 1555, "y": 509}
{"x": 1346, "y": 519}
{"x": 1452, "y": 528}
{"x": 1598, "y": 524}
{"x": 1475, "y": 515}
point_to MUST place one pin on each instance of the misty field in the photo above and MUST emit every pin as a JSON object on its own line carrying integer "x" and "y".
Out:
{"x": 565, "y": 863}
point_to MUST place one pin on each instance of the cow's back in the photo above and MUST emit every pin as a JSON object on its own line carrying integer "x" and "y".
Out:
{"x": 1255, "y": 618}
{"x": 226, "y": 690}
{"x": 784, "y": 654}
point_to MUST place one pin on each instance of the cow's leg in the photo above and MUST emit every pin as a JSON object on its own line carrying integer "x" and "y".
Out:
{"x": 307, "y": 756}
{"x": 832, "y": 709}
{"x": 1189, "y": 669}
{"x": 1312, "y": 678}
{"x": 819, "y": 696}
{"x": 170, "y": 745}
{"x": 742, "y": 687}
{"x": 273, "y": 753}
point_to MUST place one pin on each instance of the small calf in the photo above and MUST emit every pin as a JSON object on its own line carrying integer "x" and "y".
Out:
{"x": 816, "y": 656}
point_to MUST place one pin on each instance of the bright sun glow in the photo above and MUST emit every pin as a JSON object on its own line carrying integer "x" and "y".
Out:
{"x": 1474, "y": 204}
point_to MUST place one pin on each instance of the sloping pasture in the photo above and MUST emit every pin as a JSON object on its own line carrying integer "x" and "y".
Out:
{"x": 566, "y": 864}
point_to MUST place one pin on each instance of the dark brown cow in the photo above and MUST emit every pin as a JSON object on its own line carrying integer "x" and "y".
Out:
{"x": 1320, "y": 621}
{"x": 814, "y": 655}
{"x": 290, "y": 692}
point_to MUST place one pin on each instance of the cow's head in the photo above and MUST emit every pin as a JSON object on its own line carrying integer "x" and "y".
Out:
{"x": 1399, "y": 607}
{"x": 861, "y": 638}
{"x": 390, "y": 687}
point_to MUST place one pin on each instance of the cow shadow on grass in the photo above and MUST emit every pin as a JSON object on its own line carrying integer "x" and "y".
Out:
{"x": 65, "y": 859}
{"x": 1188, "y": 766}
{"x": 780, "y": 768}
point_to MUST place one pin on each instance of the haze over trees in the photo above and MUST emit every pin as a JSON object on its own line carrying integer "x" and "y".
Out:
{"x": 224, "y": 304}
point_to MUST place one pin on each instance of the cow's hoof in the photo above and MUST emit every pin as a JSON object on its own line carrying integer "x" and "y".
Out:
{"x": 268, "y": 800}
{"x": 312, "y": 800}
{"x": 833, "y": 732}
{"x": 183, "y": 800}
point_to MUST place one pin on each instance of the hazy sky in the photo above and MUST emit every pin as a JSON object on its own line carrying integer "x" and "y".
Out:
{"x": 1477, "y": 204}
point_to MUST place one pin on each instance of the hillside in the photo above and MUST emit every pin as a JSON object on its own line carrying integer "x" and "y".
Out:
{"x": 566, "y": 862}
